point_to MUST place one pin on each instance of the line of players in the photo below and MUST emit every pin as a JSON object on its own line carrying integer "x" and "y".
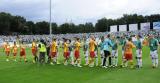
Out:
{"x": 71, "y": 51}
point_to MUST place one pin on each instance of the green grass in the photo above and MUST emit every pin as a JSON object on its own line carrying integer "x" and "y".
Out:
{"x": 20, "y": 72}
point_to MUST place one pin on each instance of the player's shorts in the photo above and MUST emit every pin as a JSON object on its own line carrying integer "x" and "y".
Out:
{"x": 53, "y": 54}
{"x": 114, "y": 53}
{"x": 34, "y": 51}
{"x": 66, "y": 55}
{"x": 14, "y": 54}
{"x": 7, "y": 52}
{"x": 128, "y": 56}
{"x": 154, "y": 54}
{"x": 22, "y": 53}
{"x": 76, "y": 54}
{"x": 106, "y": 53}
{"x": 92, "y": 54}
{"x": 138, "y": 53}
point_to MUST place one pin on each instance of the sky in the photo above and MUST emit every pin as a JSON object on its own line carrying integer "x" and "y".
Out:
{"x": 78, "y": 11}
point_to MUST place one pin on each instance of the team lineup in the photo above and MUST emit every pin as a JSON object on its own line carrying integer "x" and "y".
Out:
{"x": 106, "y": 46}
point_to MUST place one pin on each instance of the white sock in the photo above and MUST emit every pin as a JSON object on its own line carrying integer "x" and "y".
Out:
{"x": 96, "y": 60}
{"x": 86, "y": 59}
{"x": 153, "y": 61}
{"x": 116, "y": 61}
{"x": 156, "y": 62}
{"x": 106, "y": 61}
{"x": 113, "y": 61}
{"x": 102, "y": 60}
{"x": 140, "y": 62}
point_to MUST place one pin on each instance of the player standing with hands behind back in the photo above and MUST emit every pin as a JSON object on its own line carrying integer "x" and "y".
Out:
{"x": 153, "y": 45}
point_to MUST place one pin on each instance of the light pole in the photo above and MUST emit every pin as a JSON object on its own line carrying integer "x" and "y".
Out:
{"x": 50, "y": 18}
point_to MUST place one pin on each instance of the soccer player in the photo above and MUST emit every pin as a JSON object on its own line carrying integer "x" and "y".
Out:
{"x": 42, "y": 51}
{"x": 123, "y": 43}
{"x": 14, "y": 51}
{"x": 138, "y": 51}
{"x": 77, "y": 53}
{"x": 92, "y": 45}
{"x": 85, "y": 49}
{"x": 23, "y": 52}
{"x": 66, "y": 52}
{"x": 107, "y": 44}
{"x": 101, "y": 45}
{"x": 71, "y": 51}
{"x": 48, "y": 52}
{"x": 114, "y": 52}
{"x": 7, "y": 51}
{"x": 34, "y": 51}
{"x": 128, "y": 53}
{"x": 53, "y": 51}
{"x": 153, "y": 45}
{"x": 96, "y": 51}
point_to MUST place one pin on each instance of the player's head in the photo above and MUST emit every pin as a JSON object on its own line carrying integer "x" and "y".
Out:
{"x": 129, "y": 39}
{"x": 92, "y": 37}
{"x": 102, "y": 38}
{"x": 54, "y": 39}
{"x": 14, "y": 43}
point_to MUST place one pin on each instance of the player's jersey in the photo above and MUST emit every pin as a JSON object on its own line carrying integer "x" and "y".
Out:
{"x": 92, "y": 45}
{"x": 86, "y": 45}
{"x": 53, "y": 46}
{"x": 153, "y": 44}
{"x": 7, "y": 47}
{"x": 138, "y": 44}
{"x": 115, "y": 45}
{"x": 101, "y": 45}
{"x": 15, "y": 49}
{"x": 22, "y": 49}
{"x": 128, "y": 47}
{"x": 123, "y": 43}
{"x": 77, "y": 46}
{"x": 34, "y": 45}
{"x": 66, "y": 49}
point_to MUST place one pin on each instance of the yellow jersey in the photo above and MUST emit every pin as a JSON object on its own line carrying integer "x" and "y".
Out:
{"x": 128, "y": 47}
{"x": 15, "y": 49}
{"x": 34, "y": 45}
{"x": 77, "y": 46}
{"x": 92, "y": 45}
{"x": 66, "y": 47}
{"x": 54, "y": 46}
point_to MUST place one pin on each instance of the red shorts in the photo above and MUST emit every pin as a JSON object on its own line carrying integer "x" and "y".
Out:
{"x": 14, "y": 54}
{"x": 76, "y": 54}
{"x": 34, "y": 51}
{"x": 22, "y": 53}
{"x": 7, "y": 52}
{"x": 92, "y": 54}
{"x": 128, "y": 56}
{"x": 66, "y": 55}
{"x": 53, "y": 54}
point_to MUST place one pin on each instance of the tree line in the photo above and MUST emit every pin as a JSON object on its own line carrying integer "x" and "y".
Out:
{"x": 17, "y": 24}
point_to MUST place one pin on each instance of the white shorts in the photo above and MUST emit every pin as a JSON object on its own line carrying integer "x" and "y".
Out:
{"x": 154, "y": 54}
{"x": 138, "y": 53}
{"x": 102, "y": 53}
{"x": 114, "y": 53}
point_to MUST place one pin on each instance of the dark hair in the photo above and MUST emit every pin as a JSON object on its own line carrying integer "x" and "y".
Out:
{"x": 129, "y": 39}
{"x": 108, "y": 35}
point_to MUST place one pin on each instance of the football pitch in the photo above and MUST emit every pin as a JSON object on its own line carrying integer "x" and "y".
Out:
{"x": 20, "y": 72}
